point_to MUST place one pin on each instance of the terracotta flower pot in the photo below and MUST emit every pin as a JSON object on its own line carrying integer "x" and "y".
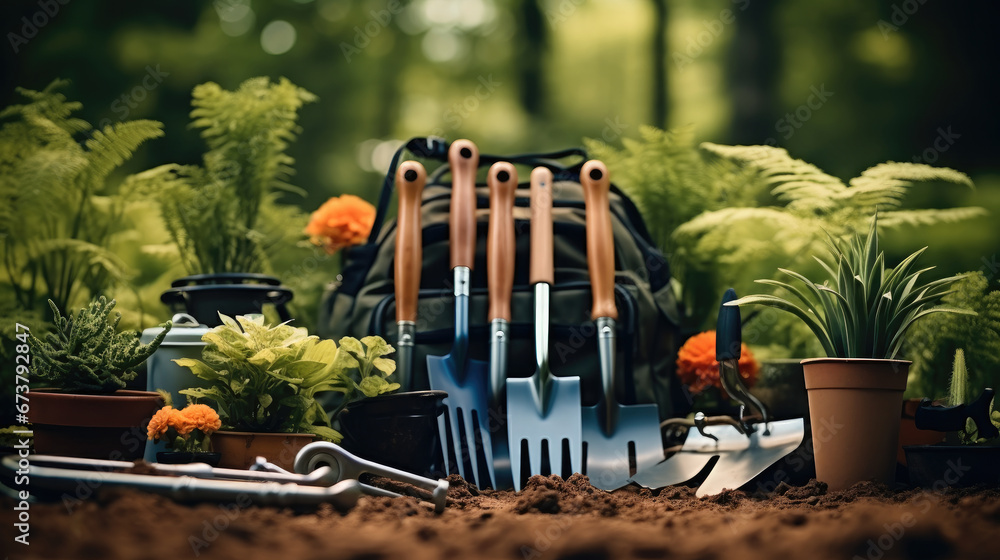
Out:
{"x": 111, "y": 426}
{"x": 240, "y": 449}
{"x": 854, "y": 406}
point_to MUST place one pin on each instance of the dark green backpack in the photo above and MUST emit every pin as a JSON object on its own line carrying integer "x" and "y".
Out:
{"x": 361, "y": 302}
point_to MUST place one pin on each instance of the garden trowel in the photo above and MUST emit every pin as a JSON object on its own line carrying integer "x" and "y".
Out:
{"x": 543, "y": 410}
{"x": 615, "y": 436}
{"x": 744, "y": 449}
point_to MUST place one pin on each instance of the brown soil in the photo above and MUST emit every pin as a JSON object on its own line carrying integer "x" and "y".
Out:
{"x": 550, "y": 519}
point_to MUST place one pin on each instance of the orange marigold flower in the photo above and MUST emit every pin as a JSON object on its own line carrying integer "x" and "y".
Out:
{"x": 180, "y": 422}
{"x": 202, "y": 417}
{"x": 340, "y": 222}
{"x": 698, "y": 368}
{"x": 159, "y": 423}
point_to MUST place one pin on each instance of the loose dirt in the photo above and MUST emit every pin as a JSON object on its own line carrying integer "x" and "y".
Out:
{"x": 550, "y": 519}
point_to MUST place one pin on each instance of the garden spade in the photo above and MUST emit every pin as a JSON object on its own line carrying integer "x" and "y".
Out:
{"x": 500, "y": 249}
{"x": 464, "y": 381}
{"x": 614, "y": 436}
{"x": 409, "y": 256}
{"x": 543, "y": 410}
{"x": 743, "y": 448}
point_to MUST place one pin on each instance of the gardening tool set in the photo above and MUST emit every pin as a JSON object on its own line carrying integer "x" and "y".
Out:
{"x": 498, "y": 430}
{"x": 325, "y": 473}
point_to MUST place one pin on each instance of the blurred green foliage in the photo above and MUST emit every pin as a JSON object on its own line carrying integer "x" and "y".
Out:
{"x": 839, "y": 84}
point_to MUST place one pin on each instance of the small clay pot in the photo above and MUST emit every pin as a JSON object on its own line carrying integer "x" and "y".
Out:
{"x": 932, "y": 467}
{"x": 399, "y": 430}
{"x": 854, "y": 406}
{"x": 240, "y": 449}
{"x": 110, "y": 426}
{"x": 185, "y": 457}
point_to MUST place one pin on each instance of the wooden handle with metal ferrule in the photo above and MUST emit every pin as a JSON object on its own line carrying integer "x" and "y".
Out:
{"x": 600, "y": 240}
{"x": 502, "y": 181}
{"x": 542, "y": 268}
{"x": 410, "y": 179}
{"x": 463, "y": 156}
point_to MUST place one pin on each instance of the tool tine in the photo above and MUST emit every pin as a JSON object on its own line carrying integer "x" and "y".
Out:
{"x": 485, "y": 438}
{"x": 470, "y": 451}
{"x": 456, "y": 440}
{"x": 443, "y": 437}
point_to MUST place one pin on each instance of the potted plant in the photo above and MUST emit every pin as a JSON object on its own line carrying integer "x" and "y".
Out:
{"x": 859, "y": 316}
{"x": 82, "y": 408}
{"x": 186, "y": 433}
{"x": 263, "y": 381}
{"x": 222, "y": 215}
{"x": 395, "y": 429}
{"x": 974, "y": 459}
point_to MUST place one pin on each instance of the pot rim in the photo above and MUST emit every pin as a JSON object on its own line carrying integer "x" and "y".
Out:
{"x": 834, "y": 360}
{"x": 236, "y": 433}
{"x": 129, "y": 394}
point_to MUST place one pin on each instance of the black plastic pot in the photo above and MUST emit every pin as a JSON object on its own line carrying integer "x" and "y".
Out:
{"x": 399, "y": 430}
{"x": 185, "y": 457}
{"x": 204, "y": 296}
{"x": 936, "y": 466}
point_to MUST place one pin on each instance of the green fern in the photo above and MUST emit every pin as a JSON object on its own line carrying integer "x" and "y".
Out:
{"x": 42, "y": 159}
{"x": 86, "y": 354}
{"x": 212, "y": 211}
{"x": 727, "y": 214}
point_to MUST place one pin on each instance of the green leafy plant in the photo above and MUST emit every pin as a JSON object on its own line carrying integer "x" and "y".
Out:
{"x": 364, "y": 369}
{"x": 213, "y": 212}
{"x": 46, "y": 154}
{"x": 725, "y": 215}
{"x": 86, "y": 354}
{"x": 864, "y": 309}
{"x": 959, "y": 393}
{"x": 932, "y": 342}
{"x": 265, "y": 379}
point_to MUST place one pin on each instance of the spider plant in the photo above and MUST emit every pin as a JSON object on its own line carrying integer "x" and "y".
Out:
{"x": 864, "y": 309}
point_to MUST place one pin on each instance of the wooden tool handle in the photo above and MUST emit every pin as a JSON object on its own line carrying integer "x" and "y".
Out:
{"x": 600, "y": 240}
{"x": 542, "y": 267}
{"x": 463, "y": 156}
{"x": 410, "y": 179}
{"x": 502, "y": 181}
